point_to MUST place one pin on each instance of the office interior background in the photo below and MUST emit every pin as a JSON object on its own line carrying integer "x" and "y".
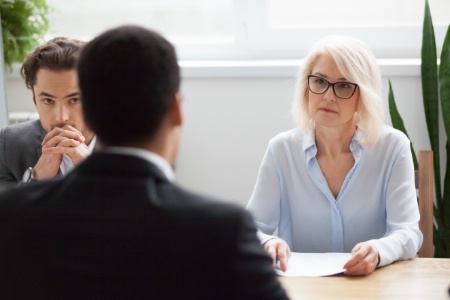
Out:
{"x": 239, "y": 60}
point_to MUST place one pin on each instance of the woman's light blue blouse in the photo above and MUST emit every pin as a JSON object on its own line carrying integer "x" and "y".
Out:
{"x": 377, "y": 201}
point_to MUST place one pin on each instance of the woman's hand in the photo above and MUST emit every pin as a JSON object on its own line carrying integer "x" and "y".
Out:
{"x": 364, "y": 260}
{"x": 278, "y": 249}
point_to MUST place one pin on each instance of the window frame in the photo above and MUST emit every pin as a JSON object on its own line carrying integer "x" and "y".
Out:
{"x": 255, "y": 40}
{"x": 290, "y": 43}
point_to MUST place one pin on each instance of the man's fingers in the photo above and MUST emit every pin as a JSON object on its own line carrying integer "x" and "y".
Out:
{"x": 67, "y": 131}
{"x": 70, "y": 127}
{"x": 47, "y": 166}
{"x": 57, "y": 145}
{"x": 61, "y": 141}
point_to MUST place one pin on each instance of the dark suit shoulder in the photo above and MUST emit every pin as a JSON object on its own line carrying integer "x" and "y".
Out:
{"x": 179, "y": 198}
{"x": 227, "y": 234}
{"x": 20, "y": 148}
{"x": 19, "y": 197}
{"x": 160, "y": 233}
{"x": 24, "y": 130}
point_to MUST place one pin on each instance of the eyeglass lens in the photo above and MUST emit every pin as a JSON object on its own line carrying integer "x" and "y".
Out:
{"x": 319, "y": 85}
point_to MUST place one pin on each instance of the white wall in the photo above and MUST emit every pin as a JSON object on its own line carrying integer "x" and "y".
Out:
{"x": 229, "y": 122}
{"x": 230, "y": 119}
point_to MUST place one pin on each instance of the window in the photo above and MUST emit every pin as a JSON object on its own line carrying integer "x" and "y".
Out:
{"x": 351, "y": 13}
{"x": 391, "y": 28}
{"x": 258, "y": 29}
{"x": 193, "y": 21}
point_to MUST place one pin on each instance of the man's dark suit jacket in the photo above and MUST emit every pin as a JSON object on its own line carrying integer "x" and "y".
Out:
{"x": 115, "y": 227}
{"x": 20, "y": 148}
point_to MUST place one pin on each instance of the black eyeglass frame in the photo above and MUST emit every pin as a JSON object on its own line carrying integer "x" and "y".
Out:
{"x": 332, "y": 85}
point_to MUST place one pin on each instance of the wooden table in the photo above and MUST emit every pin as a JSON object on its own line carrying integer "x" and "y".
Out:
{"x": 420, "y": 278}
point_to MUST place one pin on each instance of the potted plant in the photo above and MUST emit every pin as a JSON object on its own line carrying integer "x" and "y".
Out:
{"x": 436, "y": 93}
{"x": 23, "y": 25}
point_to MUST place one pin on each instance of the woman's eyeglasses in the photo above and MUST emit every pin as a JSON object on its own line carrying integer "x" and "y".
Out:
{"x": 319, "y": 85}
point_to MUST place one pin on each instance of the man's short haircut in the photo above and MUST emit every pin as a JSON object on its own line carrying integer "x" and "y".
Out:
{"x": 128, "y": 78}
{"x": 58, "y": 54}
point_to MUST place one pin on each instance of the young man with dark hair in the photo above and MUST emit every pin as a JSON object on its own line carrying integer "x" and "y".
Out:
{"x": 117, "y": 227}
{"x": 41, "y": 149}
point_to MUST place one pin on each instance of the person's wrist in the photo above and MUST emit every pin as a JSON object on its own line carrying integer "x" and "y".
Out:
{"x": 29, "y": 175}
{"x": 36, "y": 174}
{"x": 270, "y": 239}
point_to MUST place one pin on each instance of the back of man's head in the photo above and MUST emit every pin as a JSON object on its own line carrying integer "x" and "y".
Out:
{"x": 58, "y": 54}
{"x": 128, "y": 78}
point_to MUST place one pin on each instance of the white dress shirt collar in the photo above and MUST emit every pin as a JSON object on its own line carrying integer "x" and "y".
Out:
{"x": 66, "y": 162}
{"x": 160, "y": 162}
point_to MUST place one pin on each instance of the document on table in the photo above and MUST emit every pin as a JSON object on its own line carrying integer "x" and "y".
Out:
{"x": 314, "y": 264}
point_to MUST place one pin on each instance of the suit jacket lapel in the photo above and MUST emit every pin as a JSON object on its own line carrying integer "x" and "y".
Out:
{"x": 38, "y": 152}
{"x": 43, "y": 133}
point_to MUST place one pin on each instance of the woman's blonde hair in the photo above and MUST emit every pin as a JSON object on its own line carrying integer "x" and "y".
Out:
{"x": 357, "y": 63}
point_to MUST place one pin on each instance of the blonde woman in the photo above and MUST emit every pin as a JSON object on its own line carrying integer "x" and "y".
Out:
{"x": 342, "y": 181}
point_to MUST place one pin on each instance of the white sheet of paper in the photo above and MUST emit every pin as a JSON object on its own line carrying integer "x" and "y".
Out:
{"x": 314, "y": 264}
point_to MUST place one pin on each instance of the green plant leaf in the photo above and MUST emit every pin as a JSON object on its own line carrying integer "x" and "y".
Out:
{"x": 444, "y": 81}
{"x": 430, "y": 86}
{"x": 397, "y": 121}
{"x": 24, "y": 23}
{"x": 444, "y": 88}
